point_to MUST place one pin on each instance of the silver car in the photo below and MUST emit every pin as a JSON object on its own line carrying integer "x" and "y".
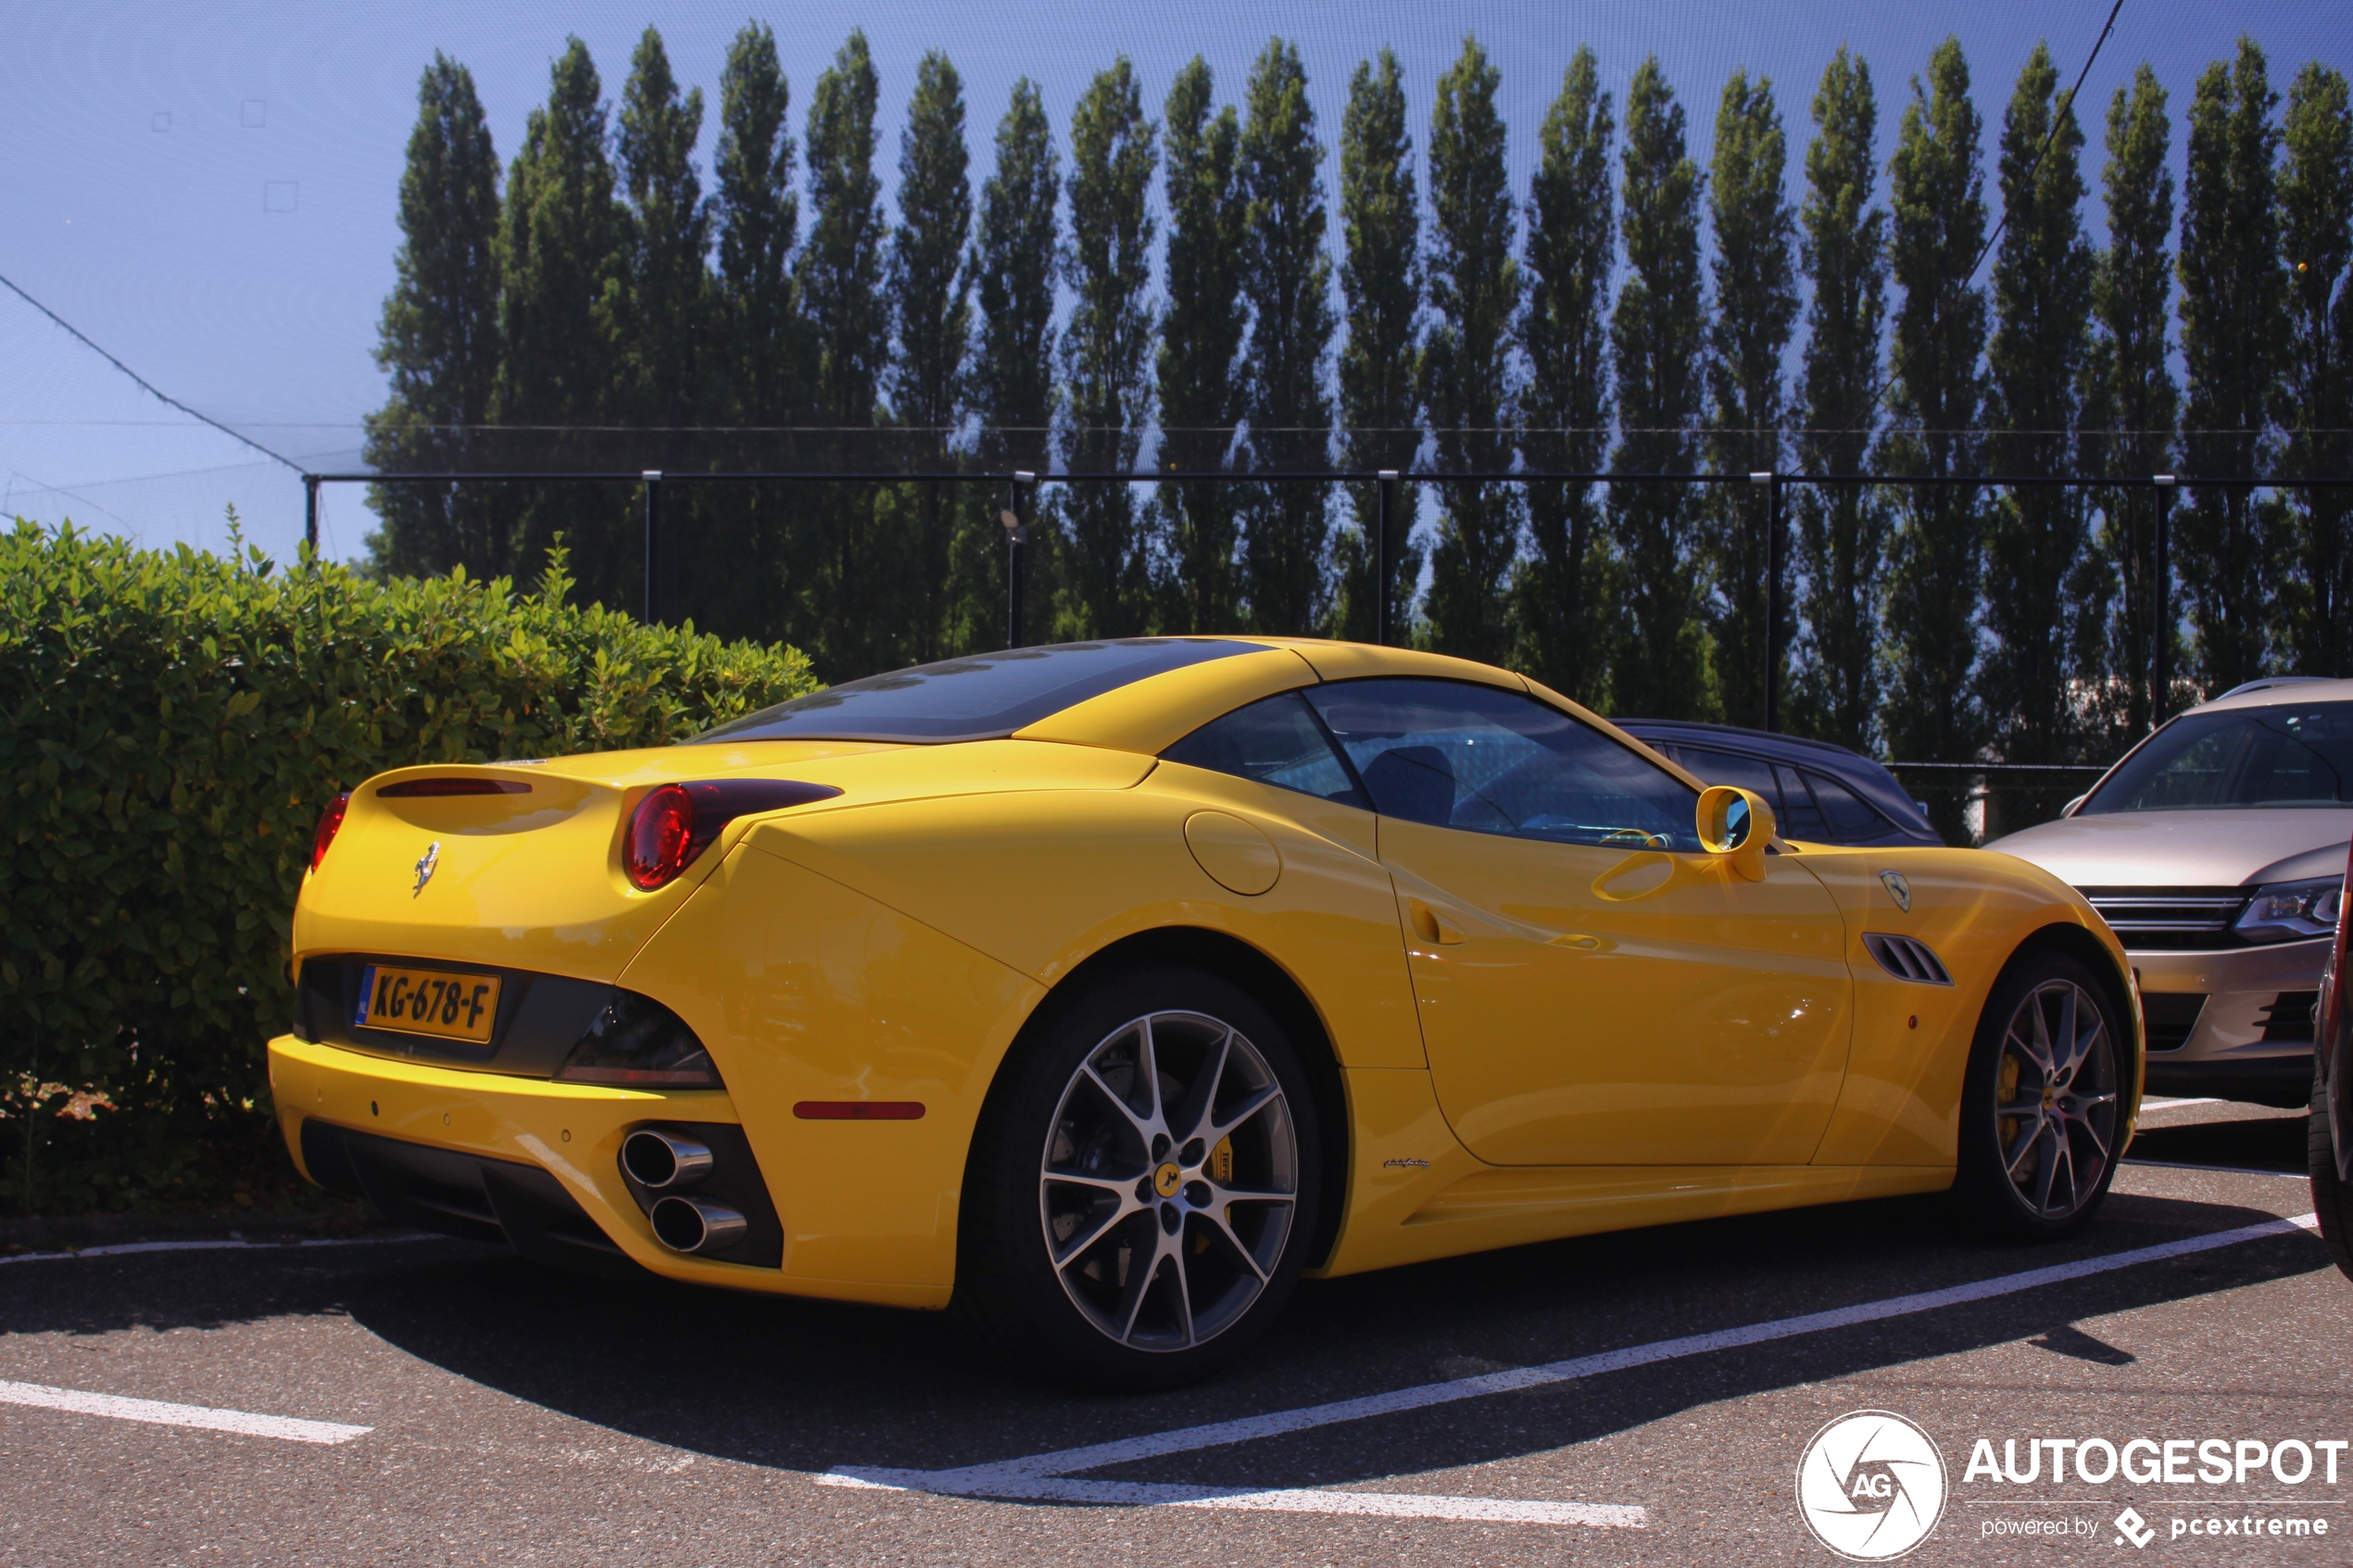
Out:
{"x": 2216, "y": 849}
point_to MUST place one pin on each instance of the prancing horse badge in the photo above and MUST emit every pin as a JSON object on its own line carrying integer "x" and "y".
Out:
{"x": 1897, "y": 889}
{"x": 432, "y": 858}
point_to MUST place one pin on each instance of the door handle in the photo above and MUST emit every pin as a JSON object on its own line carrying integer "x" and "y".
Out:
{"x": 1430, "y": 925}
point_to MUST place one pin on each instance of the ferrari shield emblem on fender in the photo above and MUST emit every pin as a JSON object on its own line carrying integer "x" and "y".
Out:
{"x": 1897, "y": 889}
{"x": 432, "y": 858}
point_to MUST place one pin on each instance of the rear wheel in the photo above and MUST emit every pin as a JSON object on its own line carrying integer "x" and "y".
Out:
{"x": 2332, "y": 1199}
{"x": 1143, "y": 1186}
{"x": 2042, "y": 1101}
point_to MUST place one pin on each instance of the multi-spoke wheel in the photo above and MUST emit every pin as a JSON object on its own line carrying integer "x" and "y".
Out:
{"x": 1143, "y": 1183}
{"x": 2044, "y": 1099}
{"x": 1169, "y": 1181}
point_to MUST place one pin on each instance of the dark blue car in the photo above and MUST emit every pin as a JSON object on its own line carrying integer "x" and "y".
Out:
{"x": 1820, "y": 793}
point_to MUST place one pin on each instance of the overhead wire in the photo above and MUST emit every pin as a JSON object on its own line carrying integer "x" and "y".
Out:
{"x": 83, "y": 338}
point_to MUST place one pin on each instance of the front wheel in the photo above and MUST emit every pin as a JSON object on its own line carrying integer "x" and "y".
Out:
{"x": 2041, "y": 1103}
{"x": 1143, "y": 1186}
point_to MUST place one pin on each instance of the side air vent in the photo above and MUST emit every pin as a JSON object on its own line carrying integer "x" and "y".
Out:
{"x": 1907, "y": 959}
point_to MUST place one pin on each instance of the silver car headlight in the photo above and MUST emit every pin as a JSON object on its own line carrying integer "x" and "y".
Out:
{"x": 2291, "y": 911}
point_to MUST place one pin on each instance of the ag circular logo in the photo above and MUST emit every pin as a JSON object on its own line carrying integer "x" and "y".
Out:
{"x": 1870, "y": 1486}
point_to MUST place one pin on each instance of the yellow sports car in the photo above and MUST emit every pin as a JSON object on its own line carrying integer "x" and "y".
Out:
{"x": 1101, "y": 990}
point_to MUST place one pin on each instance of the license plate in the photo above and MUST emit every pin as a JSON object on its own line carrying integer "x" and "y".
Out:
{"x": 424, "y": 1001}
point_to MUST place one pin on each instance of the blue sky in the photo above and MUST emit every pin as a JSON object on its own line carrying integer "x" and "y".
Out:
{"x": 207, "y": 190}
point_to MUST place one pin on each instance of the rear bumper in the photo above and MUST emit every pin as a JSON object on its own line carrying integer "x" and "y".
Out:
{"x": 528, "y": 1161}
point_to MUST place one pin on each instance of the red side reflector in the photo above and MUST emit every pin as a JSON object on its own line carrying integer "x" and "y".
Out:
{"x": 412, "y": 789}
{"x": 859, "y": 1110}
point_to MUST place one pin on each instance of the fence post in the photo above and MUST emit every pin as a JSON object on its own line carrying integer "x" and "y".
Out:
{"x": 1772, "y": 484}
{"x": 1017, "y": 520}
{"x": 1385, "y": 487}
{"x": 311, "y": 511}
{"x": 2161, "y": 617}
{"x": 653, "y": 478}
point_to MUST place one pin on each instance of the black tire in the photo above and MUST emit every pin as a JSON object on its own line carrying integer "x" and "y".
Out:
{"x": 1066, "y": 1182}
{"x": 2031, "y": 1122}
{"x": 2332, "y": 1199}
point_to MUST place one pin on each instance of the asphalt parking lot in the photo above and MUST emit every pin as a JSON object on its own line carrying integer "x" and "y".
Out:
{"x": 1642, "y": 1398}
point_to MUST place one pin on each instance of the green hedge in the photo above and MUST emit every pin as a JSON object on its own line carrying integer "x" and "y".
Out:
{"x": 171, "y": 725}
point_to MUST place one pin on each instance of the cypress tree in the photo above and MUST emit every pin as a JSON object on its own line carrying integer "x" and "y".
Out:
{"x": 1563, "y": 591}
{"x": 1015, "y": 262}
{"x": 1201, "y": 385}
{"x": 1755, "y": 288}
{"x": 1107, "y": 391}
{"x": 1936, "y": 565}
{"x": 659, "y": 318}
{"x": 759, "y": 223}
{"x": 1381, "y": 287}
{"x": 749, "y": 588}
{"x": 561, "y": 255}
{"x": 854, "y": 581}
{"x": 438, "y": 339}
{"x": 1841, "y": 533}
{"x": 1466, "y": 361}
{"x": 1656, "y": 334}
{"x": 2235, "y": 321}
{"x": 2043, "y": 273}
{"x": 2130, "y": 402}
{"x": 930, "y": 291}
{"x": 2316, "y": 404}
{"x": 1287, "y": 281}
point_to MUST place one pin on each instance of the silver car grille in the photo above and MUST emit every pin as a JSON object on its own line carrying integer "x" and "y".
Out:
{"x": 2168, "y": 919}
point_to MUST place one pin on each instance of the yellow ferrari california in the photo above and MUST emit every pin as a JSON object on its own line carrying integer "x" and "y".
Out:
{"x": 1099, "y": 991}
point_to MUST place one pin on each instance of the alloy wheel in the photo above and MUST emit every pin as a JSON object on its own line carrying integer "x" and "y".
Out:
{"x": 2055, "y": 1098}
{"x": 1169, "y": 1181}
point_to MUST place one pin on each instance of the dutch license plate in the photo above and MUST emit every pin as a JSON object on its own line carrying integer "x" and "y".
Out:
{"x": 424, "y": 1001}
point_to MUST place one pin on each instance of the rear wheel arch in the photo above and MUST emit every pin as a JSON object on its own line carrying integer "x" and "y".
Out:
{"x": 1270, "y": 985}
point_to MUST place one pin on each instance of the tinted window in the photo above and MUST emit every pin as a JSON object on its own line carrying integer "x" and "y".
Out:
{"x": 1727, "y": 768}
{"x": 977, "y": 699}
{"x": 1276, "y": 741}
{"x": 2283, "y": 756}
{"x": 1801, "y": 817}
{"x": 1463, "y": 756}
{"x": 1853, "y": 820}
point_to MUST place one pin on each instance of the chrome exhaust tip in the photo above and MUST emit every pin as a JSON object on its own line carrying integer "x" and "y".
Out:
{"x": 695, "y": 1224}
{"x": 657, "y": 1160}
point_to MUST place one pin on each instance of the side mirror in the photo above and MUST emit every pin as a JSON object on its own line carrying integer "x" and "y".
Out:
{"x": 1736, "y": 824}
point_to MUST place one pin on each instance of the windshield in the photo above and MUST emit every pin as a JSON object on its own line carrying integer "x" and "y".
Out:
{"x": 984, "y": 698}
{"x": 2280, "y": 756}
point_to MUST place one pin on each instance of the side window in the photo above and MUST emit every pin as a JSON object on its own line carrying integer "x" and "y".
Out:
{"x": 1805, "y": 819}
{"x": 1275, "y": 741}
{"x": 1742, "y": 772}
{"x": 1852, "y": 818}
{"x": 1453, "y": 754}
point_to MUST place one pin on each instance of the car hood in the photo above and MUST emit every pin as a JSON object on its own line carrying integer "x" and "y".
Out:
{"x": 2186, "y": 848}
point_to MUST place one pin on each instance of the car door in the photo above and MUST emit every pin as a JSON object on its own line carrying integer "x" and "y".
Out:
{"x": 1594, "y": 989}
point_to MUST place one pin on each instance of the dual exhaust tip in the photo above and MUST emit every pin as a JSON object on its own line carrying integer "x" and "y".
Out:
{"x": 663, "y": 1162}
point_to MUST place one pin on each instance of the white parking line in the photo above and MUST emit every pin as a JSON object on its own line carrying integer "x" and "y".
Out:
{"x": 1289, "y": 1500}
{"x": 1046, "y": 1477}
{"x": 157, "y": 1414}
{"x": 2153, "y": 1103}
{"x": 2216, "y": 1170}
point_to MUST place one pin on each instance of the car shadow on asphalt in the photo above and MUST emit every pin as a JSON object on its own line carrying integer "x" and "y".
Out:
{"x": 808, "y": 1386}
{"x": 2249, "y": 1136}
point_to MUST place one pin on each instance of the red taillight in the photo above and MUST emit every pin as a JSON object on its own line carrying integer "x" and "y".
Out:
{"x": 662, "y": 837}
{"x": 330, "y": 824}
{"x": 678, "y": 821}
